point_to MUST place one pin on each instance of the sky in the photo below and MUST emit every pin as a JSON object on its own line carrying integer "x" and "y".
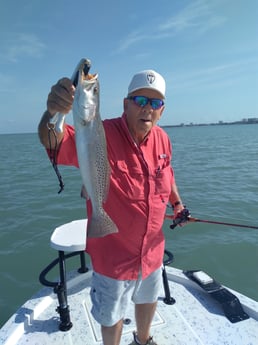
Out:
{"x": 207, "y": 51}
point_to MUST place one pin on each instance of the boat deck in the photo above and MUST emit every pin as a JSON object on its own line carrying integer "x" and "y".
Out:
{"x": 195, "y": 318}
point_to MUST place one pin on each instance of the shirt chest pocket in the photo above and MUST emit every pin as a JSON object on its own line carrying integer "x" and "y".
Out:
{"x": 130, "y": 180}
{"x": 163, "y": 182}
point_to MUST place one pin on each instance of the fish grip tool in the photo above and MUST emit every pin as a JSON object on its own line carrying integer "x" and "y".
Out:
{"x": 58, "y": 119}
{"x": 53, "y": 156}
{"x": 230, "y": 304}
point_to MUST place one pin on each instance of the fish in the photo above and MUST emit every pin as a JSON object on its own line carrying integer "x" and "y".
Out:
{"x": 92, "y": 151}
{"x": 58, "y": 119}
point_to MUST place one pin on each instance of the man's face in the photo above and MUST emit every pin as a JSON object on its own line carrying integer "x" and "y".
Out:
{"x": 140, "y": 120}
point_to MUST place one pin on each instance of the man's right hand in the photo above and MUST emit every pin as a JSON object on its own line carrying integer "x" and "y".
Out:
{"x": 60, "y": 98}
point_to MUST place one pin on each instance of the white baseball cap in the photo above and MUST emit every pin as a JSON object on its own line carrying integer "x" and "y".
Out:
{"x": 148, "y": 79}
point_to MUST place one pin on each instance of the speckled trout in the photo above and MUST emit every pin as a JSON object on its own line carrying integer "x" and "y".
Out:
{"x": 92, "y": 151}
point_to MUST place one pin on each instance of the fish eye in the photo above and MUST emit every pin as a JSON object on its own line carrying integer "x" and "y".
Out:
{"x": 95, "y": 90}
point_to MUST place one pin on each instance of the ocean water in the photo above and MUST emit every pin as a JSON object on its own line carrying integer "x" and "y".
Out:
{"x": 216, "y": 169}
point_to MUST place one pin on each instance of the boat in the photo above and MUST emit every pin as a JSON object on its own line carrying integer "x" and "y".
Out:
{"x": 193, "y": 308}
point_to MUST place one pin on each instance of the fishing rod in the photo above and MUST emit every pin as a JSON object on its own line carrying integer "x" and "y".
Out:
{"x": 185, "y": 217}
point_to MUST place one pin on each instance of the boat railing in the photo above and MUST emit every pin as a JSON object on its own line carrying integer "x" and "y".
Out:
{"x": 60, "y": 287}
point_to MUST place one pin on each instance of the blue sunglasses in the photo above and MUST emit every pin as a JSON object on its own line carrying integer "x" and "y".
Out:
{"x": 142, "y": 101}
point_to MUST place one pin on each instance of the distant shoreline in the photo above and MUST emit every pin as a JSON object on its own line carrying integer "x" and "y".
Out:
{"x": 249, "y": 121}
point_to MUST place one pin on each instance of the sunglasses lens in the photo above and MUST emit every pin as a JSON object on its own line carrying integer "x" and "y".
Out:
{"x": 141, "y": 101}
{"x": 156, "y": 103}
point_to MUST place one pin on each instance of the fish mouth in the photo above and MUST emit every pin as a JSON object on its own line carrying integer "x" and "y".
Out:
{"x": 89, "y": 76}
{"x": 85, "y": 68}
{"x": 82, "y": 72}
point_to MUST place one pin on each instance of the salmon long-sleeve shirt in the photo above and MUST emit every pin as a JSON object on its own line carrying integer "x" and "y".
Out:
{"x": 140, "y": 185}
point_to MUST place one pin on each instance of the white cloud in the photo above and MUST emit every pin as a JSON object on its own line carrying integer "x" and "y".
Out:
{"x": 198, "y": 16}
{"x": 131, "y": 39}
{"x": 15, "y": 46}
{"x": 220, "y": 74}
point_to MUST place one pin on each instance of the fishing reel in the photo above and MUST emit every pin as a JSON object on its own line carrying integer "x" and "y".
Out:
{"x": 182, "y": 217}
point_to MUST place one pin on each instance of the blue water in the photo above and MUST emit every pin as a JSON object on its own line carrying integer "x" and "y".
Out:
{"x": 216, "y": 169}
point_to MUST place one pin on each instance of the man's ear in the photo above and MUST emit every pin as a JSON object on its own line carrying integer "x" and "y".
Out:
{"x": 162, "y": 111}
{"x": 125, "y": 103}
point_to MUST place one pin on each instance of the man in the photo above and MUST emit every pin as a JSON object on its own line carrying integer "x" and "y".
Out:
{"x": 127, "y": 264}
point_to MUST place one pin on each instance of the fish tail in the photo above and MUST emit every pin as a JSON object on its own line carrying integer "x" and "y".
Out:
{"x": 101, "y": 225}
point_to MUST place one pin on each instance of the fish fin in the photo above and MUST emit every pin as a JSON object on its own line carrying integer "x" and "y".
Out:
{"x": 101, "y": 225}
{"x": 84, "y": 193}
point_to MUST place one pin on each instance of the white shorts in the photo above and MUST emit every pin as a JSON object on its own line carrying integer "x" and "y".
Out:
{"x": 111, "y": 297}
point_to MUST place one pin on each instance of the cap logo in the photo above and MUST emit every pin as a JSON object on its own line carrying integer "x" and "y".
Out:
{"x": 151, "y": 78}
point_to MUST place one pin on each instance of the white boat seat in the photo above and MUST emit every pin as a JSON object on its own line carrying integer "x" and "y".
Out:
{"x": 70, "y": 237}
